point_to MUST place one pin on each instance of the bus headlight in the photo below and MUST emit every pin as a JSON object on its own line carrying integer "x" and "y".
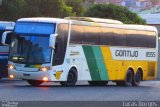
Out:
{"x": 44, "y": 69}
{"x": 45, "y": 78}
{"x": 11, "y": 76}
{"x": 10, "y": 66}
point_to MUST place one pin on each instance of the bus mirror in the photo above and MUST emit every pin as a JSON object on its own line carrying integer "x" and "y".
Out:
{"x": 52, "y": 40}
{"x": 6, "y": 38}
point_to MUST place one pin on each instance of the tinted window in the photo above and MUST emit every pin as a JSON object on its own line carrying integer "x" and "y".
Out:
{"x": 112, "y": 36}
{"x": 92, "y": 35}
{"x": 61, "y": 44}
{"x": 77, "y": 34}
{"x": 141, "y": 39}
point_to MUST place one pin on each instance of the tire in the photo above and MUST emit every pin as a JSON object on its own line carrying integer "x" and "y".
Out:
{"x": 128, "y": 79}
{"x": 137, "y": 78}
{"x": 34, "y": 82}
{"x": 71, "y": 79}
{"x": 98, "y": 83}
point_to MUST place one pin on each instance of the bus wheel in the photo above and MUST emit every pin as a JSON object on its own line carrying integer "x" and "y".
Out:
{"x": 137, "y": 78}
{"x": 34, "y": 82}
{"x": 72, "y": 78}
{"x": 127, "y": 81}
{"x": 98, "y": 83}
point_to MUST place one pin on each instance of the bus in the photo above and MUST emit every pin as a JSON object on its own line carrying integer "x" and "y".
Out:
{"x": 4, "y": 50}
{"x": 82, "y": 49}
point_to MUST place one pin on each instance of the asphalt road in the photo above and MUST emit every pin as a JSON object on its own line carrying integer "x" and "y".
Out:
{"x": 22, "y": 91}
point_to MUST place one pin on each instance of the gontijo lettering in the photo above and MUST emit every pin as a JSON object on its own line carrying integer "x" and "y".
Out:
{"x": 126, "y": 53}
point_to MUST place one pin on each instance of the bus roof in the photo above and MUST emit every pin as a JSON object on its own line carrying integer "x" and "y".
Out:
{"x": 43, "y": 20}
{"x": 133, "y": 27}
{"x": 97, "y": 20}
{"x": 91, "y": 21}
{"x": 5, "y": 25}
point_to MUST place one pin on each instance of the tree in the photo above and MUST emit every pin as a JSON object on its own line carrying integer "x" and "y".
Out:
{"x": 55, "y": 8}
{"x": 15, "y": 9}
{"x": 78, "y": 6}
{"x": 111, "y": 11}
{"x": 12, "y": 9}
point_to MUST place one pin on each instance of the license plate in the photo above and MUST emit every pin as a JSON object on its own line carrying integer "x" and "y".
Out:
{"x": 26, "y": 75}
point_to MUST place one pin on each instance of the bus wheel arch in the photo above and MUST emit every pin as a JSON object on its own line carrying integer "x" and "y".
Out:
{"x": 72, "y": 77}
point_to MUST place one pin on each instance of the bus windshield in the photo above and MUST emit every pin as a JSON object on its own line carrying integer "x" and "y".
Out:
{"x": 30, "y": 49}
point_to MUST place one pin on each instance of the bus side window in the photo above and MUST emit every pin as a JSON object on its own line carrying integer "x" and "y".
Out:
{"x": 57, "y": 45}
{"x": 77, "y": 34}
{"x": 106, "y": 37}
{"x": 56, "y": 48}
{"x": 92, "y": 35}
{"x": 61, "y": 44}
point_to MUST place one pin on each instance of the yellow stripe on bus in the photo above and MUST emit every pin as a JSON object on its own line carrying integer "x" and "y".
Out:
{"x": 107, "y": 56}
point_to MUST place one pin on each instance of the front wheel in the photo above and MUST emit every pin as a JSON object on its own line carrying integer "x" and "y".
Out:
{"x": 71, "y": 79}
{"x": 34, "y": 82}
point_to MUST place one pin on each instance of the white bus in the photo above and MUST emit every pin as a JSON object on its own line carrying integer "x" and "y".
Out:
{"x": 4, "y": 50}
{"x": 89, "y": 49}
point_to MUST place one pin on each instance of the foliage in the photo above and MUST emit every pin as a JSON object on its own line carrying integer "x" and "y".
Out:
{"x": 111, "y": 11}
{"x": 14, "y": 9}
{"x": 78, "y": 6}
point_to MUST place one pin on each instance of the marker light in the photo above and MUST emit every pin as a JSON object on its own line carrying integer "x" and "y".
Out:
{"x": 10, "y": 66}
{"x": 44, "y": 69}
{"x": 45, "y": 79}
{"x": 11, "y": 76}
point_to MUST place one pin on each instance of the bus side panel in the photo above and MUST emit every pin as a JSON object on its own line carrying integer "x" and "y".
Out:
{"x": 96, "y": 63}
{"x": 151, "y": 70}
{"x": 76, "y": 57}
{"x": 109, "y": 63}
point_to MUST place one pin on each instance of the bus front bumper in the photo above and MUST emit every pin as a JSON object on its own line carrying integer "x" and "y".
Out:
{"x": 36, "y": 75}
